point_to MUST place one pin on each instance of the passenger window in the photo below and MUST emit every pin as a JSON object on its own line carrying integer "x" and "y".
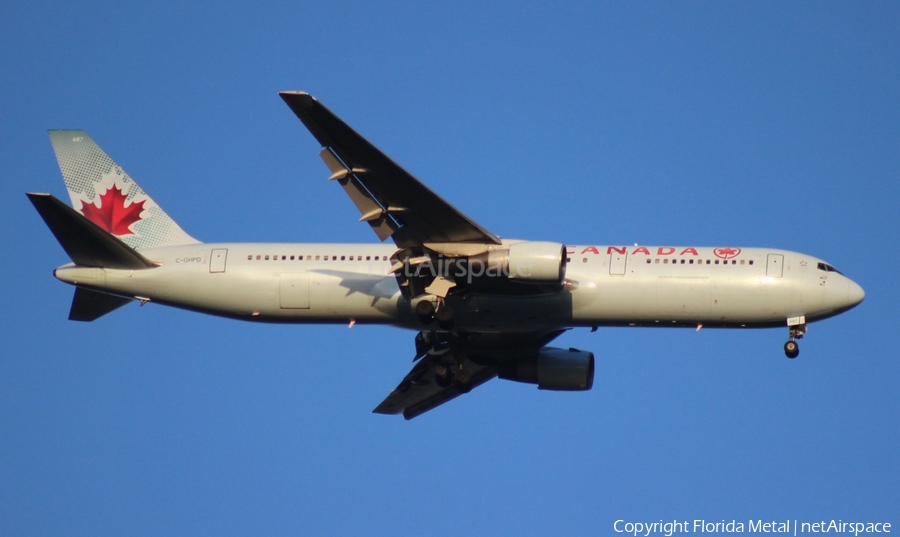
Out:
{"x": 343, "y": 258}
{"x": 584, "y": 260}
{"x": 351, "y": 258}
{"x": 317, "y": 258}
{"x": 284, "y": 257}
{"x": 751, "y": 261}
{"x": 257, "y": 258}
{"x": 692, "y": 262}
{"x": 717, "y": 261}
{"x": 250, "y": 257}
{"x": 368, "y": 258}
{"x": 682, "y": 261}
{"x": 656, "y": 260}
{"x": 665, "y": 261}
{"x": 742, "y": 261}
{"x": 267, "y": 258}
{"x": 648, "y": 261}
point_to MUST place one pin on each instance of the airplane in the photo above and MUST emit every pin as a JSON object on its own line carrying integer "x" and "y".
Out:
{"x": 482, "y": 306}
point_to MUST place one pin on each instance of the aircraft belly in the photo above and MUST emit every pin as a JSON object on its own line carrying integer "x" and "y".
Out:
{"x": 651, "y": 298}
{"x": 293, "y": 290}
{"x": 614, "y": 297}
{"x": 343, "y": 296}
{"x": 811, "y": 295}
{"x": 683, "y": 297}
{"x": 262, "y": 296}
{"x": 481, "y": 312}
{"x": 779, "y": 297}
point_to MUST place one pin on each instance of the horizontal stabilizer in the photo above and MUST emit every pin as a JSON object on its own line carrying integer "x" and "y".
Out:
{"x": 90, "y": 305}
{"x": 86, "y": 243}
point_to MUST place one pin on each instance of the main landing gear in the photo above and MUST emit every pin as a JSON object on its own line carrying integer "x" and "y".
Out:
{"x": 446, "y": 374}
{"x": 796, "y": 331}
{"x": 428, "y": 313}
{"x": 446, "y": 354}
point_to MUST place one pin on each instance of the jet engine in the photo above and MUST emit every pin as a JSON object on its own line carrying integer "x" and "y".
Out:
{"x": 531, "y": 262}
{"x": 552, "y": 369}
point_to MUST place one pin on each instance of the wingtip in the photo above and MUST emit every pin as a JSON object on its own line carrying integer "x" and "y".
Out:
{"x": 295, "y": 94}
{"x": 299, "y": 101}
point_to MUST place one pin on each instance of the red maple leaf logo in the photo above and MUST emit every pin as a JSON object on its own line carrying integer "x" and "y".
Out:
{"x": 727, "y": 253}
{"x": 112, "y": 214}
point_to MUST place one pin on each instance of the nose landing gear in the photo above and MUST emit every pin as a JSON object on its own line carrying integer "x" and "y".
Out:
{"x": 796, "y": 330}
{"x": 791, "y": 349}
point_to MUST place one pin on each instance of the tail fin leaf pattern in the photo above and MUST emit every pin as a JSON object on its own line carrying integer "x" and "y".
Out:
{"x": 107, "y": 196}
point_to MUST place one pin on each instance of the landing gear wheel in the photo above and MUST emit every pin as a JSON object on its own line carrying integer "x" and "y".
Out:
{"x": 444, "y": 314}
{"x": 425, "y": 311}
{"x": 444, "y": 317}
{"x": 463, "y": 380}
{"x": 442, "y": 375}
{"x": 791, "y": 349}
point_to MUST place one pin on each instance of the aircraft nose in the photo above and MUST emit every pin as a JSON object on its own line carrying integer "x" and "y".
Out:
{"x": 855, "y": 294}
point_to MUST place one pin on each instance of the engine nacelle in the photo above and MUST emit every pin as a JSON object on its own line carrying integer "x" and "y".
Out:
{"x": 532, "y": 261}
{"x": 553, "y": 369}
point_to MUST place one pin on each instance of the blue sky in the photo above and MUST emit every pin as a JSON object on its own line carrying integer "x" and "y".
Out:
{"x": 750, "y": 124}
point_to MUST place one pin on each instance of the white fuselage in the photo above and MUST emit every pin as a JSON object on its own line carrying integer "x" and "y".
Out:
{"x": 604, "y": 286}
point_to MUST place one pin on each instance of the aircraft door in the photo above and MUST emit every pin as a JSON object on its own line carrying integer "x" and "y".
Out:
{"x": 217, "y": 260}
{"x": 294, "y": 290}
{"x": 617, "y": 263}
{"x": 775, "y": 266}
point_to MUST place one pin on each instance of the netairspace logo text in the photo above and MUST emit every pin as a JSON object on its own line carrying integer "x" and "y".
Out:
{"x": 789, "y": 527}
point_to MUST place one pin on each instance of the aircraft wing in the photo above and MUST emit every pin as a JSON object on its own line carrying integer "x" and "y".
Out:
{"x": 393, "y": 202}
{"x": 479, "y": 356}
{"x": 420, "y": 392}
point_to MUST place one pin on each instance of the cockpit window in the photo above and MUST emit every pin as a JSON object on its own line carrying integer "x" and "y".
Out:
{"x": 828, "y": 268}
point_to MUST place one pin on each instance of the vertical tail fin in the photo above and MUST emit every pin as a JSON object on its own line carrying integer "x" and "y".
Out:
{"x": 104, "y": 194}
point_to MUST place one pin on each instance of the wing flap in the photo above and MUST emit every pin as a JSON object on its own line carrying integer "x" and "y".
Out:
{"x": 420, "y": 392}
{"x": 376, "y": 183}
{"x": 372, "y": 212}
